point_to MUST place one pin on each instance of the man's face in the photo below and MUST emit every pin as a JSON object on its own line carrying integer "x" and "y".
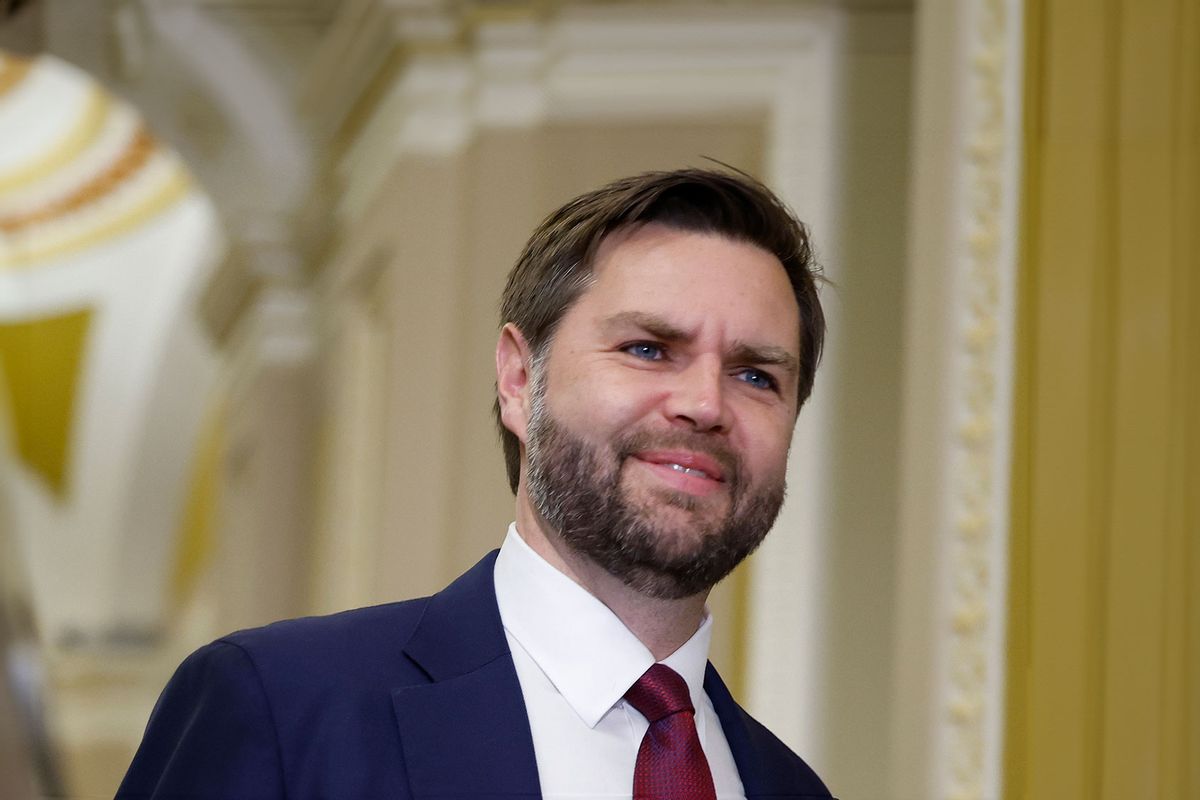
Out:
{"x": 662, "y": 412}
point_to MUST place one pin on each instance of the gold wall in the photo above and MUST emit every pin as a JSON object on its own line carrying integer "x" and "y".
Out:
{"x": 1104, "y": 669}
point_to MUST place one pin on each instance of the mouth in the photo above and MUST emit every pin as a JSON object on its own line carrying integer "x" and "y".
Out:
{"x": 688, "y": 471}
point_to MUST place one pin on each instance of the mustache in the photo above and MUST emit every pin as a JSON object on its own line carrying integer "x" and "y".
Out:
{"x": 639, "y": 441}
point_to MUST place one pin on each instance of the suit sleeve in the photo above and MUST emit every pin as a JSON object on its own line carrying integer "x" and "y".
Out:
{"x": 211, "y": 734}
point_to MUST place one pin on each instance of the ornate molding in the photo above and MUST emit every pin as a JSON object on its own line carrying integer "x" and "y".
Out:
{"x": 368, "y": 43}
{"x": 977, "y": 546}
{"x": 573, "y": 63}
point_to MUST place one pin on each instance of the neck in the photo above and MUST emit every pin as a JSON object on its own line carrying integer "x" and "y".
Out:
{"x": 661, "y": 625}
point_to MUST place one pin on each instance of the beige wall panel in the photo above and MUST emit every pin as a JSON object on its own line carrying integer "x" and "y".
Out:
{"x": 353, "y": 387}
{"x": 423, "y": 218}
{"x": 263, "y": 556}
{"x": 928, "y": 294}
{"x": 504, "y": 202}
{"x": 869, "y": 243}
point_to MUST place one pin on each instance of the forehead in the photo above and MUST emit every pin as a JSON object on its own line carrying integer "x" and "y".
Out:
{"x": 695, "y": 280}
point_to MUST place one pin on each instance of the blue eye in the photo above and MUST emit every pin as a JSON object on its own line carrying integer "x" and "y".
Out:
{"x": 645, "y": 351}
{"x": 757, "y": 378}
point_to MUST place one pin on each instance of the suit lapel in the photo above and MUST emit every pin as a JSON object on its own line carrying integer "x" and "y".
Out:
{"x": 757, "y": 765}
{"x": 466, "y": 733}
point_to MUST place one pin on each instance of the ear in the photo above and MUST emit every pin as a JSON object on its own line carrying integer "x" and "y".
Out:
{"x": 513, "y": 357}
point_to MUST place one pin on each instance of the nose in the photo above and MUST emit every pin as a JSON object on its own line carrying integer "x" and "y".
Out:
{"x": 697, "y": 397}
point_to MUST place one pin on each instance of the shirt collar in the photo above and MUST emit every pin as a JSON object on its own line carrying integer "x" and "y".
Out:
{"x": 581, "y": 646}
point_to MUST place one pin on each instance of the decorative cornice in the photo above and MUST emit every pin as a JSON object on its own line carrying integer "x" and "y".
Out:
{"x": 228, "y": 295}
{"x": 252, "y": 269}
{"x": 582, "y": 62}
{"x": 367, "y": 43}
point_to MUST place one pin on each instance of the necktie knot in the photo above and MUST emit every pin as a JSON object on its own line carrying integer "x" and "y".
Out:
{"x": 660, "y": 692}
{"x": 670, "y": 761}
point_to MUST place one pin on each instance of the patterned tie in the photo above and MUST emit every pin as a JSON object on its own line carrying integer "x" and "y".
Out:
{"x": 670, "y": 763}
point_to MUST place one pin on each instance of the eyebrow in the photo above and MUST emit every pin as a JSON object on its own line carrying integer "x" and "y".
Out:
{"x": 652, "y": 324}
{"x": 742, "y": 353}
{"x": 768, "y": 355}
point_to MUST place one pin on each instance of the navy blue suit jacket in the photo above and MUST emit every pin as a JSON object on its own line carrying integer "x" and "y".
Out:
{"x": 417, "y": 699}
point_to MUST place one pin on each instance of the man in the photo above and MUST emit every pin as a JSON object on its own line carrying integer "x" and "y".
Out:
{"x": 659, "y": 337}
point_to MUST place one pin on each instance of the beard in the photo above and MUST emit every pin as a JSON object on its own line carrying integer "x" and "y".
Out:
{"x": 576, "y": 488}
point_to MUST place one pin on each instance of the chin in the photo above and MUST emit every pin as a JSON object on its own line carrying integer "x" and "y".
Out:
{"x": 670, "y": 510}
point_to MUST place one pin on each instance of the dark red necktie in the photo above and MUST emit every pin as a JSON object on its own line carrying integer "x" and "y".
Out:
{"x": 670, "y": 763}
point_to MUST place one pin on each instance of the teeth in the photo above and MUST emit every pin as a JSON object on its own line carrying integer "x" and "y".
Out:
{"x": 688, "y": 470}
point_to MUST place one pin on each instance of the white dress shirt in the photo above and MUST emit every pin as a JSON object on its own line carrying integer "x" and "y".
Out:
{"x": 575, "y": 660}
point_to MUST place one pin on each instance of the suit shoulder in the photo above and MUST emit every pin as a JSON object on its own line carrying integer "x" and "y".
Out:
{"x": 371, "y": 620}
{"x": 258, "y": 712}
{"x": 347, "y": 645}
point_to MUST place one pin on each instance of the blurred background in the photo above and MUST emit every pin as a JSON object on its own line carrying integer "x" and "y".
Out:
{"x": 250, "y": 258}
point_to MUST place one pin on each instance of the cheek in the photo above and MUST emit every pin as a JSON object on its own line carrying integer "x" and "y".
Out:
{"x": 768, "y": 452}
{"x": 603, "y": 397}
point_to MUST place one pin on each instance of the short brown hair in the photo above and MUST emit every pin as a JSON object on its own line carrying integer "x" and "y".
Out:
{"x": 556, "y": 264}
